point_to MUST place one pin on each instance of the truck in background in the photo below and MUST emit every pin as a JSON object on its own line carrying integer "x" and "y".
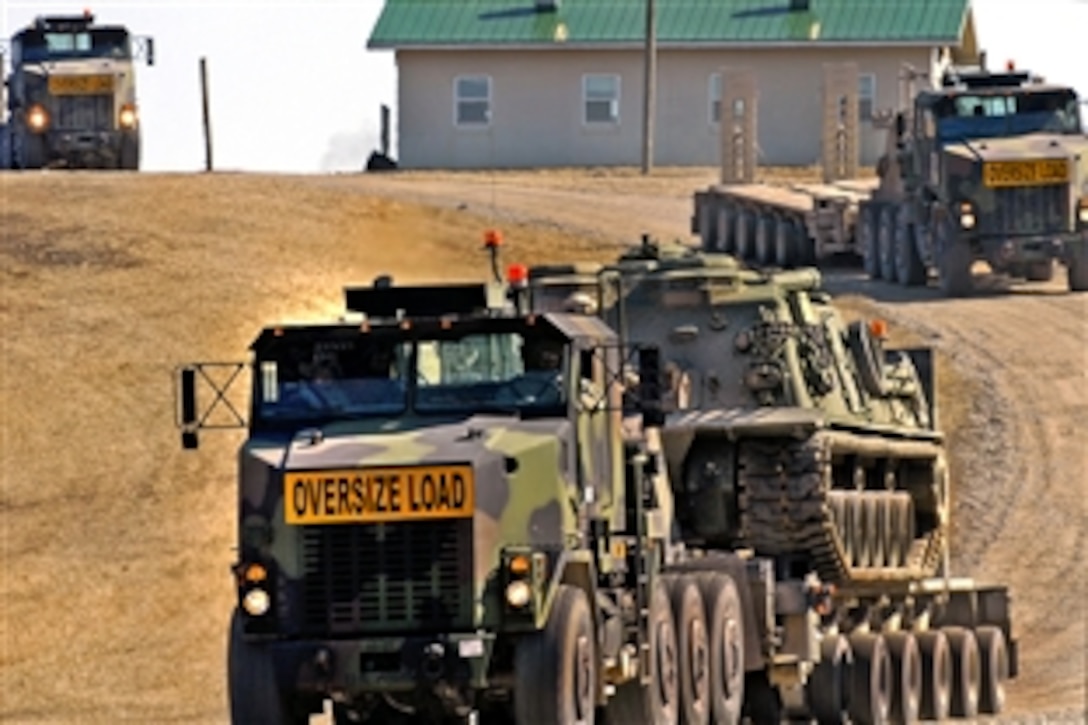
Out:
{"x": 988, "y": 166}
{"x": 70, "y": 95}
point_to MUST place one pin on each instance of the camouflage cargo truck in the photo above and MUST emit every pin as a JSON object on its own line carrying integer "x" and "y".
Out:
{"x": 799, "y": 443}
{"x": 71, "y": 95}
{"x": 444, "y": 512}
{"x": 990, "y": 166}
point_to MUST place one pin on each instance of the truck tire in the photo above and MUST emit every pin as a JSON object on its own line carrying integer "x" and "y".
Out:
{"x": 1040, "y": 271}
{"x": 129, "y": 157}
{"x": 692, "y": 648}
{"x": 936, "y": 674}
{"x": 28, "y": 151}
{"x": 1078, "y": 270}
{"x": 827, "y": 690}
{"x": 906, "y": 676}
{"x": 966, "y": 672}
{"x": 658, "y": 702}
{"x": 762, "y": 703}
{"x": 910, "y": 271}
{"x": 725, "y": 622}
{"x": 555, "y": 670}
{"x": 994, "y": 661}
{"x": 254, "y": 695}
{"x": 867, "y": 242}
{"x": 870, "y": 693}
{"x": 886, "y": 242}
{"x": 954, "y": 261}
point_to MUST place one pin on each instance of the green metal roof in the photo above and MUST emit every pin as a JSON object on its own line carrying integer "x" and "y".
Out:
{"x": 405, "y": 23}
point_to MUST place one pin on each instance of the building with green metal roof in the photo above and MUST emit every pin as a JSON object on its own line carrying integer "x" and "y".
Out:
{"x": 525, "y": 83}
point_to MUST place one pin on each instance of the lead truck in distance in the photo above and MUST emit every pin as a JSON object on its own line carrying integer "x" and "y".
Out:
{"x": 71, "y": 95}
{"x": 490, "y": 503}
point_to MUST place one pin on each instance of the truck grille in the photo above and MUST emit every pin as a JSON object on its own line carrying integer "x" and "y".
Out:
{"x": 1027, "y": 210}
{"x": 411, "y": 576}
{"x": 83, "y": 113}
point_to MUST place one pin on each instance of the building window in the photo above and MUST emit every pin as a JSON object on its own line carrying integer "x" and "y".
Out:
{"x": 472, "y": 100}
{"x": 866, "y": 96}
{"x": 601, "y": 98}
{"x": 715, "y": 98}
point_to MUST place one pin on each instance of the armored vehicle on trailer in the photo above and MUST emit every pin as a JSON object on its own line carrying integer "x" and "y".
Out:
{"x": 71, "y": 95}
{"x": 805, "y": 441}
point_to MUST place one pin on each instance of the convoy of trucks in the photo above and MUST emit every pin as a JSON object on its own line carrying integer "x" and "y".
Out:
{"x": 666, "y": 489}
{"x": 989, "y": 166}
{"x": 70, "y": 95}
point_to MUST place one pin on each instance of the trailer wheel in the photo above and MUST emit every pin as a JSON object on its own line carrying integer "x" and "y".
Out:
{"x": 870, "y": 252}
{"x": 906, "y": 664}
{"x": 787, "y": 251}
{"x": 936, "y": 674}
{"x": 966, "y": 671}
{"x": 251, "y": 684}
{"x": 725, "y": 622}
{"x": 765, "y": 239}
{"x": 762, "y": 703}
{"x": 555, "y": 669}
{"x": 1078, "y": 270}
{"x": 910, "y": 271}
{"x": 129, "y": 157}
{"x": 656, "y": 702}
{"x": 994, "y": 661}
{"x": 745, "y": 233}
{"x": 885, "y": 235}
{"x": 870, "y": 695}
{"x": 828, "y": 687}
{"x": 954, "y": 261}
{"x": 693, "y": 648}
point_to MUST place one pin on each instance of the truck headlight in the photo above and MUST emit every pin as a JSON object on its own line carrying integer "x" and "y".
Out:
{"x": 518, "y": 593}
{"x": 127, "y": 117}
{"x": 967, "y": 215}
{"x": 37, "y": 118}
{"x": 256, "y": 602}
{"x": 1082, "y": 211}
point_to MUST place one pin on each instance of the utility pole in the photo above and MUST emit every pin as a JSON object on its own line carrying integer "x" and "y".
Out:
{"x": 207, "y": 116}
{"x": 648, "y": 87}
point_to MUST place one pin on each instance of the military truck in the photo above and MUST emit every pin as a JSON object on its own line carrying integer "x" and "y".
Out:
{"x": 987, "y": 166}
{"x": 991, "y": 166}
{"x": 804, "y": 443}
{"x": 71, "y": 95}
{"x": 464, "y": 501}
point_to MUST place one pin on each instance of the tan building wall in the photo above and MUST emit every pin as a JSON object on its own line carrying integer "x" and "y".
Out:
{"x": 537, "y": 105}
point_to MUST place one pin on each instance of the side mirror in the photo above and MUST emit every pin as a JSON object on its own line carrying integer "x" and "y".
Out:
{"x": 900, "y": 125}
{"x": 151, "y": 51}
{"x": 649, "y": 386}
{"x": 189, "y": 423}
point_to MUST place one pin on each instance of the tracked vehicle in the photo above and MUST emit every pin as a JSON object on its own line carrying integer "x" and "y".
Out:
{"x": 802, "y": 439}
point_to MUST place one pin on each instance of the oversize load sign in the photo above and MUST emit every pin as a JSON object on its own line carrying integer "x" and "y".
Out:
{"x": 80, "y": 85}
{"x": 375, "y": 495}
{"x": 997, "y": 174}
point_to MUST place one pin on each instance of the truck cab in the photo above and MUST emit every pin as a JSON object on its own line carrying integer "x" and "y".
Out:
{"x": 71, "y": 94}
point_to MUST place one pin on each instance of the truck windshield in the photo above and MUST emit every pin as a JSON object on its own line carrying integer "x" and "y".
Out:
{"x": 40, "y": 46}
{"x": 329, "y": 378}
{"x": 989, "y": 116}
{"x": 480, "y": 372}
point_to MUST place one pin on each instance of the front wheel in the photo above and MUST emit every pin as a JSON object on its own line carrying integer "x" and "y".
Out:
{"x": 954, "y": 260}
{"x": 254, "y": 694}
{"x": 1078, "y": 270}
{"x": 555, "y": 669}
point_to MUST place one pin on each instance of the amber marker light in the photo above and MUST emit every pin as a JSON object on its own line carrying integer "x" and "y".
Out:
{"x": 519, "y": 565}
{"x": 878, "y": 328}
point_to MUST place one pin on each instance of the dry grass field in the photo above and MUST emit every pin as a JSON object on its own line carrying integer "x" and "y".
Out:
{"x": 114, "y": 587}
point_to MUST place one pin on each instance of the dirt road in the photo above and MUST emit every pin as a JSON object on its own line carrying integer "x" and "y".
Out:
{"x": 115, "y": 544}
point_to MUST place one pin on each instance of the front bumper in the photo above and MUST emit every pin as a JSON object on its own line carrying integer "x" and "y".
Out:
{"x": 446, "y": 665}
{"x": 1028, "y": 249}
{"x": 84, "y": 147}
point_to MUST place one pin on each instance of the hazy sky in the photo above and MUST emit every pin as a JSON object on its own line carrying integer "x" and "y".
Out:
{"x": 294, "y": 89}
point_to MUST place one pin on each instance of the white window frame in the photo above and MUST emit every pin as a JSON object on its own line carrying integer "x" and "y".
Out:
{"x": 458, "y": 100}
{"x": 866, "y": 98}
{"x": 615, "y": 102}
{"x": 714, "y": 93}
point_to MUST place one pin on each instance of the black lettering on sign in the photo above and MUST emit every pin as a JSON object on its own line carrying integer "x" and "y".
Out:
{"x": 458, "y": 491}
{"x": 358, "y": 496}
{"x": 343, "y": 496}
{"x": 394, "y": 493}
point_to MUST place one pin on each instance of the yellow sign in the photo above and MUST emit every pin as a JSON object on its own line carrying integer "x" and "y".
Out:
{"x": 80, "y": 85}
{"x": 374, "y": 495}
{"x": 997, "y": 174}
